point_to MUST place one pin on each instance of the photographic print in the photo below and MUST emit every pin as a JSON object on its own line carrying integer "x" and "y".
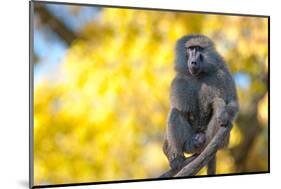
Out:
{"x": 120, "y": 94}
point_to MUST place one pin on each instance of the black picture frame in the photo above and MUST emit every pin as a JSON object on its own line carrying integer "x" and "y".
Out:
{"x": 31, "y": 91}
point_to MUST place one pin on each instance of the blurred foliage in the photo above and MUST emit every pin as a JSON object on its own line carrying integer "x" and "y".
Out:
{"x": 102, "y": 115}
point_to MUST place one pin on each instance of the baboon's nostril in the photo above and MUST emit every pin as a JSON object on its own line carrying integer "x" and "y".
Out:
{"x": 193, "y": 63}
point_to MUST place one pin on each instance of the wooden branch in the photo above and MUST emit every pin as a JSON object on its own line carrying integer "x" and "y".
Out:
{"x": 195, "y": 163}
{"x": 173, "y": 172}
{"x": 208, "y": 153}
{"x": 211, "y": 169}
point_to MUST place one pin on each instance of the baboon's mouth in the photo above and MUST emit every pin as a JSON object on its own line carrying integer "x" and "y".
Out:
{"x": 194, "y": 71}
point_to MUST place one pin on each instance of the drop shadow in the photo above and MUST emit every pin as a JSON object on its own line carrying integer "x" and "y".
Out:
{"x": 24, "y": 183}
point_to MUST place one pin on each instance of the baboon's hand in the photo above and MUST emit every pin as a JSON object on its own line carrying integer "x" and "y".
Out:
{"x": 199, "y": 140}
{"x": 177, "y": 162}
{"x": 223, "y": 118}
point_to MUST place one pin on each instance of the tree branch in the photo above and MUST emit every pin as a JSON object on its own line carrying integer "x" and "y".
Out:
{"x": 195, "y": 163}
{"x": 173, "y": 172}
{"x": 207, "y": 154}
{"x": 211, "y": 169}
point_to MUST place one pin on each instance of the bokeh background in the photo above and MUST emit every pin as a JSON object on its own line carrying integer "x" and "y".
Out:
{"x": 101, "y": 82}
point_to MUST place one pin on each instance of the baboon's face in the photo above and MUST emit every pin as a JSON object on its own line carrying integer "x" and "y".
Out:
{"x": 194, "y": 59}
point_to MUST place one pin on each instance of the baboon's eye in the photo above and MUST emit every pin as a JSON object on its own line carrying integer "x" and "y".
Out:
{"x": 191, "y": 47}
{"x": 200, "y": 48}
{"x": 197, "y": 48}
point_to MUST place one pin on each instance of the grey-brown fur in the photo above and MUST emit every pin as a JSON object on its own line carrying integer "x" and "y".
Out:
{"x": 198, "y": 98}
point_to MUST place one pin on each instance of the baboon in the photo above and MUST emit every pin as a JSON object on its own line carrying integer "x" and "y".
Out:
{"x": 201, "y": 94}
